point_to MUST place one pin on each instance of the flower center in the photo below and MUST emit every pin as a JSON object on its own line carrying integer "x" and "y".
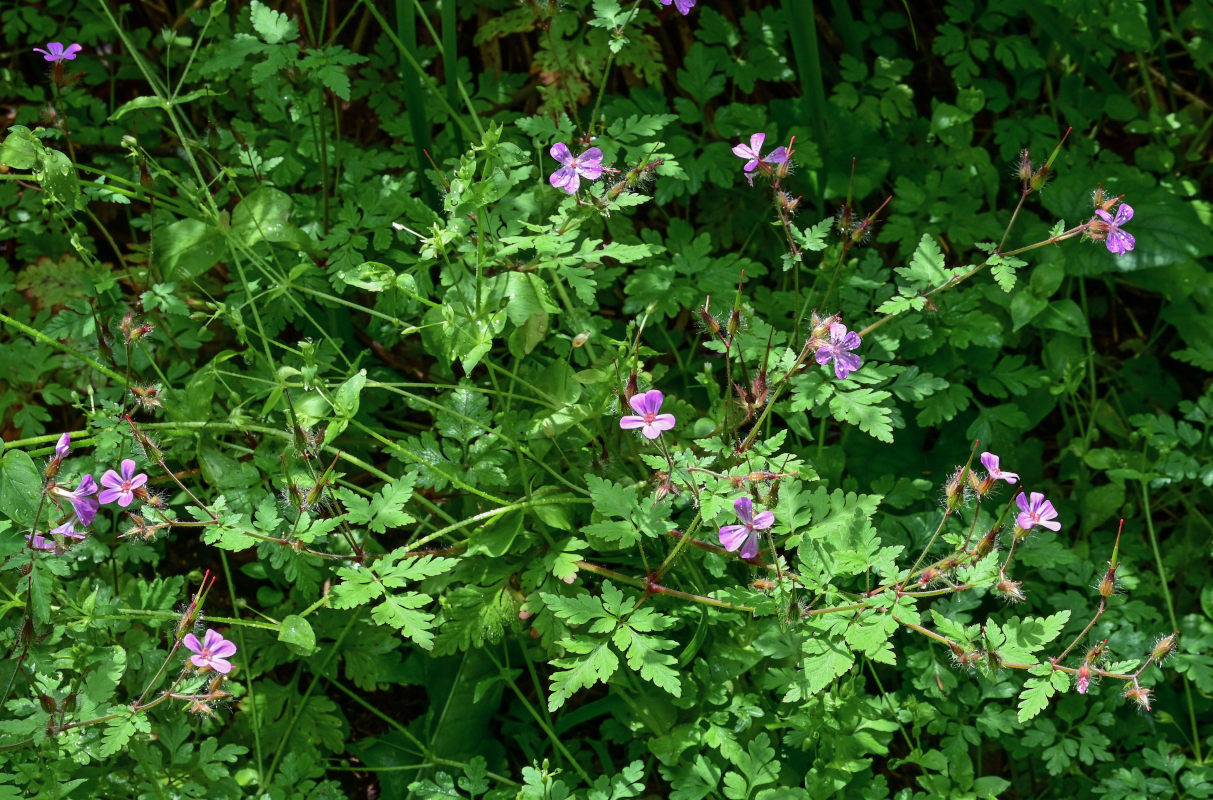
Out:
{"x": 649, "y": 418}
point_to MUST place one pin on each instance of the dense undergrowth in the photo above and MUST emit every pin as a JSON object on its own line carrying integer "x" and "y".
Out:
{"x": 606, "y": 399}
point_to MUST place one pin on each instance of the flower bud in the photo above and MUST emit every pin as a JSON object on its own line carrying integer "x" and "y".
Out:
{"x": 928, "y": 575}
{"x": 581, "y": 338}
{"x": 1107, "y": 586}
{"x": 986, "y": 545}
{"x": 1082, "y": 678}
{"x": 1025, "y": 167}
{"x": 1138, "y": 695}
{"x": 1039, "y": 178}
{"x": 630, "y": 390}
{"x": 1009, "y": 590}
{"x": 48, "y": 703}
{"x": 954, "y": 489}
{"x": 1164, "y": 646}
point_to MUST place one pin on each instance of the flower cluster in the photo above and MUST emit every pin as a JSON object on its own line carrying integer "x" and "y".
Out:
{"x": 87, "y": 498}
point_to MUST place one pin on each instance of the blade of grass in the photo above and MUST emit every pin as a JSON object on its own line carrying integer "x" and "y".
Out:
{"x": 414, "y": 97}
{"x": 802, "y": 27}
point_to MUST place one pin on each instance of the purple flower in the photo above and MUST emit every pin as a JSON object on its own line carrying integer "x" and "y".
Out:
{"x": 684, "y": 6}
{"x": 1118, "y": 241}
{"x": 745, "y": 535}
{"x": 1036, "y": 511}
{"x": 39, "y": 542}
{"x": 838, "y": 349}
{"x": 56, "y": 52}
{"x": 63, "y": 446}
{"x": 212, "y": 652}
{"x": 752, "y": 153}
{"x": 646, "y": 406}
{"x": 82, "y": 499}
{"x": 121, "y": 488}
{"x": 588, "y": 165}
{"x": 990, "y": 462}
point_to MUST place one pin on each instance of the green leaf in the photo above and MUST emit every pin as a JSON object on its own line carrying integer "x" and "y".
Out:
{"x": 20, "y": 150}
{"x": 187, "y": 248}
{"x": 118, "y": 731}
{"x": 296, "y": 633}
{"x": 273, "y": 26}
{"x": 860, "y": 407}
{"x": 20, "y": 487}
{"x": 1037, "y": 690}
{"x": 264, "y": 215}
{"x": 592, "y": 662}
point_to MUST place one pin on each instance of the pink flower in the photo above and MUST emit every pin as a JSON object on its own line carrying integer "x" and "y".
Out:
{"x": 121, "y": 488}
{"x": 63, "y": 446}
{"x": 588, "y": 165}
{"x": 1036, "y": 511}
{"x": 56, "y": 52}
{"x": 650, "y": 423}
{"x": 212, "y": 652}
{"x": 745, "y": 535}
{"x": 1083, "y": 678}
{"x": 1118, "y": 241}
{"x": 754, "y": 158}
{"x": 82, "y": 499}
{"x": 684, "y": 6}
{"x": 990, "y": 462}
{"x": 838, "y": 349}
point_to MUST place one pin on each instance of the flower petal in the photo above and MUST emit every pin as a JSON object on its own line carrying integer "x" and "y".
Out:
{"x": 652, "y": 401}
{"x": 764, "y": 520}
{"x": 744, "y": 507}
{"x": 777, "y": 156}
{"x": 630, "y": 423}
{"x": 845, "y": 364}
{"x": 110, "y": 480}
{"x": 664, "y": 422}
{"x": 1123, "y": 214}
{"x": 756, "y": 140}
{"x": 560, "y": 152}
{"x": 108, "y": 496}
{"x": 989, "y": 461}
{"x": 1021, "y": 500}
{"x": 138, "y": 480}
{"x": 750, "y": 548}
{"x": 1104, "y": 215}
{"x": 732, "y": 537}
{"x": 650, "y": 431}
{"x": 191, "y": 642}
{"x": 591, "y": 158}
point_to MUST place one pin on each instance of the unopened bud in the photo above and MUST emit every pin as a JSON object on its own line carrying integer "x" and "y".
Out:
{"x": 1107, "y": 586}
{"x": 1039, "y": 178}
{"x": 734, "y": 322}
{"x": 581, "y": 338}
{"x": 1138, "y": 695}
{"x": 1009, "y": 590}
{"x": 1025, "y": 166}
{"x": 630, "y": 390}
{"x": 986, "y": 545}
{"x": 954, "y": 490}
{"x": 710, "y": 323}
{"x": 1164, "y": 646}
{"x": 928, "y": 575}
{"x": 48, "y": 703}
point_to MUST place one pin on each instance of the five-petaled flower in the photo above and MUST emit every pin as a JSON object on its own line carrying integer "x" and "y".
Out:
{"x": 838, "y": 349}
{"x": 1034, "y": 511}
{"x": 588, "y": 165}
{"x": 745, "y": 535}
{"x": 1118, "y": 241}
{"x": 752, "y": 153}
{"x": 121, "y": 487}
{"x": 684, "y": 6}
{"x": 55, "y": 51}
{"x": 81, "y": 498}
{"x": 990, "y": 462}
{"x": 650, "y": 423}
{"x": 213, "y": 651}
